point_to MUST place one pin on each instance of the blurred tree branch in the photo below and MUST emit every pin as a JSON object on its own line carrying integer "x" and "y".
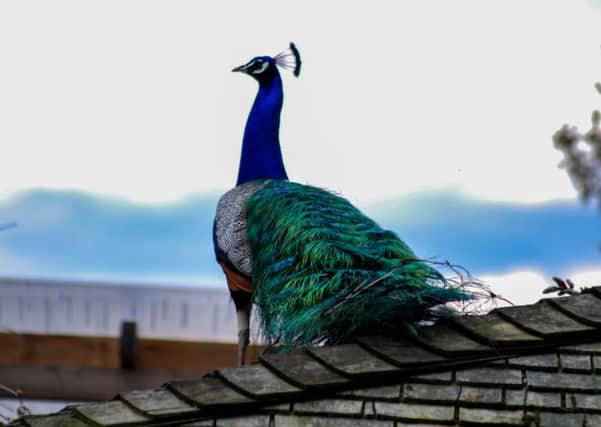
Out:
{"x": 582, "y": 156}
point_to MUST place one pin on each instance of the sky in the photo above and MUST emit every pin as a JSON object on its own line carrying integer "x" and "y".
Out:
{"x": 134, "y": 100}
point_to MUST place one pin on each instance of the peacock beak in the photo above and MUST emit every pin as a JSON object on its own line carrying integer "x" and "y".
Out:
{"x": 240, "y": 69}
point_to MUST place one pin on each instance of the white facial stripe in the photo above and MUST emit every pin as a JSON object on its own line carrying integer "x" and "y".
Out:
{"x": 264, "y": 66}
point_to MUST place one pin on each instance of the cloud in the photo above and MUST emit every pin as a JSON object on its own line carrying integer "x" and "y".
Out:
{"x": 526, "y": 287}
{"x": 586, "y": 277}
{"x": 519, "y": 287}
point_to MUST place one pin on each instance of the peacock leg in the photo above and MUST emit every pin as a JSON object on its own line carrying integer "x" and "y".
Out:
{"x": 243, "y": 303}
{"x": 243, "y": 334}
{"x": 241, "y": 291}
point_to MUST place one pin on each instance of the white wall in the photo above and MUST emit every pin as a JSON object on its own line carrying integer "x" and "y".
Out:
{"x": 80, "y": 308}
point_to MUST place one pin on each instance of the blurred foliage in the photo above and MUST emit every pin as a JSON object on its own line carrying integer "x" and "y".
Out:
{"x": 582, "y": 156}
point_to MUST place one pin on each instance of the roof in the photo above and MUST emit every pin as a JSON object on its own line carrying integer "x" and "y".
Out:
{"x": 537, "y": 364}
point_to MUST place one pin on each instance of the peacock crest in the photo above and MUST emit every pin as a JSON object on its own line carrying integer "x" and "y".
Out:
{"x": 289, "y": 60}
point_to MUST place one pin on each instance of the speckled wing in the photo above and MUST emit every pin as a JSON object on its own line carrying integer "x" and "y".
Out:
{"x": 230, "y": 236}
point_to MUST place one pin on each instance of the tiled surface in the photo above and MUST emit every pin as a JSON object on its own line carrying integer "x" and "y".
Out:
{"x": 535, "y": 365}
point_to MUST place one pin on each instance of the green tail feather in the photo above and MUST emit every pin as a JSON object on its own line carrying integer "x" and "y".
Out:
{"x": 324, "y": 271}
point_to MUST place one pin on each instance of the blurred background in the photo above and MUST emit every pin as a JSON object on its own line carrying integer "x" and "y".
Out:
{"x": 121, "y": 124}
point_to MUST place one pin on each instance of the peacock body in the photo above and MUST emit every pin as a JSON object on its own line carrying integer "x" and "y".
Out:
{"x": 317, "y": 269}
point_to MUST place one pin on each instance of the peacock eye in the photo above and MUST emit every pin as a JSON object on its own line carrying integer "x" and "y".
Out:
{"x": 259, "y": 66}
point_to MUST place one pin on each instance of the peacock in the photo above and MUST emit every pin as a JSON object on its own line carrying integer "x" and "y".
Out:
{"x": 317, "y": 268}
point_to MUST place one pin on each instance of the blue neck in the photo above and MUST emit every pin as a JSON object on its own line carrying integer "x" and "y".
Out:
{"x": 261, "y": 154}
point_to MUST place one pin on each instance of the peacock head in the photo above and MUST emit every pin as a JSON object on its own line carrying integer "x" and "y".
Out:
{"x": 264, "y": 68}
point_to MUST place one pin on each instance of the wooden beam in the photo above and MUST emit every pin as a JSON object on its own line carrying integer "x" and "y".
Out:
{"x": 178, "y": 357}
{"x": 88, "y": 368}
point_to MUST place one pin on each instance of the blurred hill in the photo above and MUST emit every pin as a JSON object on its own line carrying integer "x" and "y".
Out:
{"x": 553, "y": 238}
{"x": 65, "y": 234}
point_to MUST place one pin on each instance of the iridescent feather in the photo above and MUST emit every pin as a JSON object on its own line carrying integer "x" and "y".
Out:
{"x": 323, "y": 271}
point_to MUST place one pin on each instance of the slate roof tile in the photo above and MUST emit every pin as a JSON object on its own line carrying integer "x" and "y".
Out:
{"x": 446, "y": 340}
{"x": 258, "y": 382}
{"x": 330, "y": 406}
{"x": 415, "y": 412}
{"x": 58, "y": 420}
{"x": 114, "y": 413}
{"x": 515, "y": 397}
{"x": 490, "y": 417}
{"x": 584, "y": 401}
{"x": 543, "y": 400}
{"x": 431, "y": 392}
{"x": 208, "y": 391}
{"x": 206, "y": 423}
{"x": 250, "y": 421}
{"x": 586, "y": 308}
{"x": 553, "y": 419}
{"x": 576, "y": 362}
{"x": 595, "y": 290}
{"x": 399, "y": 352}
{"x": 402, "y": 424}
{"x": 444, "y": 377}
{"x": 538, "y": 361}
{"x": 563, "y": 381}
{"x": 352, "y": 360}
{"x": 490, "y": 376}
{"x": 481, "y": 395}
{"x": 316, "y": 421}
{"x": 389, "y": 392}
{"x": 589, "y": 348}
{"x": 158, "y": 403}
{"x": 494, "y": 330}
{"x": 281, "y": 407}
{"x": 300, "y": 369}
{"x": 593, "y": 420}
{"x": 543, "y": 319}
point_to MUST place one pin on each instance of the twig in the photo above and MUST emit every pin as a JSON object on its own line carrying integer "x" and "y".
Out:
{"x": 22, "y": 410}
